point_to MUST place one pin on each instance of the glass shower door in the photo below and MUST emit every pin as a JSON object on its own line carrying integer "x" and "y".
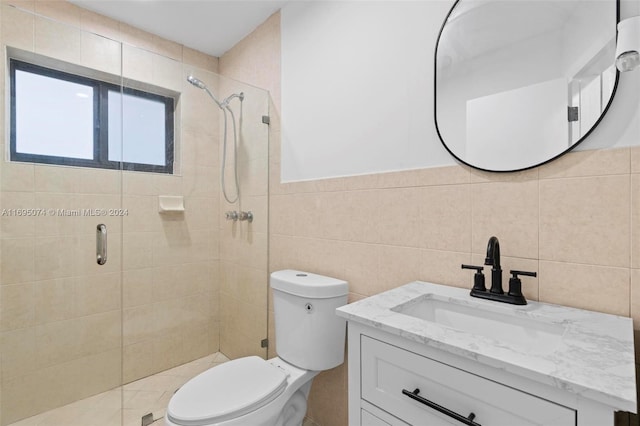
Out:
{"x": 60, "y": 228}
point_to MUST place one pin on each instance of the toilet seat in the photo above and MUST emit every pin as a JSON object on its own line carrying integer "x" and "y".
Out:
{"x": 227, "y": 391}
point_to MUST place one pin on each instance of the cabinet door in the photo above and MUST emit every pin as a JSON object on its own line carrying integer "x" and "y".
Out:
{"x": 369, "y": 419}
{"x": 388, "y": 370}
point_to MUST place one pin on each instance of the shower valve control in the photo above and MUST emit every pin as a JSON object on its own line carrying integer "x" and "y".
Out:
{"x": 248, "y": 216}
{"x": 231, "y": 215}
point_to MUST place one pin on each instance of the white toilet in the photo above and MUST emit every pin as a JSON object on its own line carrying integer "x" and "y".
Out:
{"x": 250, "y": 391}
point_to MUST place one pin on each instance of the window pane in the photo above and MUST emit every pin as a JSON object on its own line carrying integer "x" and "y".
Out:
{"x": 136, "y": 129}
{"x": 53, "y": 117}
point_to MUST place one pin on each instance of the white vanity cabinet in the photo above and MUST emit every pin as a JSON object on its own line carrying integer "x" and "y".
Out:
{"x": 414, "y": 373}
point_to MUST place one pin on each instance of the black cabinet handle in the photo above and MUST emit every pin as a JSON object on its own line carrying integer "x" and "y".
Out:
{"x": 459, "y": 417}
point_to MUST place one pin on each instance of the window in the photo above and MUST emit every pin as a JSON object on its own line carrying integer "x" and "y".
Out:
{"x": 62, "y": 118}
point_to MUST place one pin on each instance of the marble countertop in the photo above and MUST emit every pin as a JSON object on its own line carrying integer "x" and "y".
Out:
{"x": 593, "y": 356}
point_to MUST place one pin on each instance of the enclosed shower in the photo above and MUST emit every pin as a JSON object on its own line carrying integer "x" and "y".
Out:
{"x": 82, "y": 342}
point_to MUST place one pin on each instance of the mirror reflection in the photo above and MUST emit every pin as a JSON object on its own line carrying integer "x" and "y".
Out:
{"x": 520, "y": 82}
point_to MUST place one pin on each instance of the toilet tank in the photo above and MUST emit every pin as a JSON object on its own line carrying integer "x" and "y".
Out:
{"x": 309, "y": 334}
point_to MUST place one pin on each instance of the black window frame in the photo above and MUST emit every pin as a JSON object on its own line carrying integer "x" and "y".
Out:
{"x": 100, "y": 122}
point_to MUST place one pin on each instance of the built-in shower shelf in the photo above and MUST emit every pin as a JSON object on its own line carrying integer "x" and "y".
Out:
{"x": 170, "y": 204}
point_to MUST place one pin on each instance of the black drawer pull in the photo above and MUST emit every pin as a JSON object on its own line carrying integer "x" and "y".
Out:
{"x": 466, "y": 420}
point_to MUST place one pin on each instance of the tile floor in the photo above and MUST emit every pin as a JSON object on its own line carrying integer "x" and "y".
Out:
{"x": 127, "y": 404}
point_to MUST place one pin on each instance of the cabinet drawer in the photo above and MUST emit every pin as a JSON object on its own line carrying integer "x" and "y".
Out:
{"x": 388, "y": 370}
{"x": 369, "y": 419}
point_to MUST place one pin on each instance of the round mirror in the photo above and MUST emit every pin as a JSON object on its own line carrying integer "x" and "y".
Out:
{"x": 520, "y": 82}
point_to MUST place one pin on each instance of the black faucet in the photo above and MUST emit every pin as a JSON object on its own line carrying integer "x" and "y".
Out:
{"x": 493, "y": 258}
{"x": 514, "y": 296}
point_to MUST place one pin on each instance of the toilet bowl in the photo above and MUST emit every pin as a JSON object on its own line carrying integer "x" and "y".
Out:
{"x": 249, "y": 391}
{"x": 253, "y": 392}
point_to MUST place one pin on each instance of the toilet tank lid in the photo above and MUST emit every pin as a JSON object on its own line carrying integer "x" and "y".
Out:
{"x": 306, "y": 284}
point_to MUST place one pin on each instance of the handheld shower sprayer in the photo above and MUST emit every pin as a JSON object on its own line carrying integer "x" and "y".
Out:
{"x": 224, "y": 106}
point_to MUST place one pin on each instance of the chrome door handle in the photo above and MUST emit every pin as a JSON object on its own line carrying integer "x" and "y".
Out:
{"x": 101, "y": 244}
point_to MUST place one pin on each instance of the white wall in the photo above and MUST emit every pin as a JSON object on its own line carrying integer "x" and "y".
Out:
{"x": 357, "y": 89}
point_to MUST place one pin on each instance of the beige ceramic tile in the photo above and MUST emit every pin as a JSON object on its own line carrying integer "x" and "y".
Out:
{"x": 17, "y": 176}
{"x": 508, "y": 210}
{"x": 480, "y": 176}
{"x": 98, "y": 293}
{"x": 199, "y": 59}
{"x": 136, "y": 37}
{"x": 397, "y": 266}
{"x": 588, "y": 163}
{"x": 362, "y": 220}
{"x": 635, "y": 159}
{"x": 98, "y": 181}
{"x": 401, "y": 179}
{"x": 139, "y": 324}
{"x": 54, "y": 300}
{"x": 100, "y": 53}
{"x": 59, "y": 10}
{"x": 635, "y": 220}
{"x": 360, "y": 269}
{"x": 28, "y": 5}
{"x": 57, "y": 40}
{"x": 18, "y": 352}
{"x": 445, "y": 217}
{"x": 137, "y": 285}
{"x": 142, "y": 214}
{"x": 17, "y": 310}
{"x": 443, "y": 267}
{"x": 99, "y": 24}
{"x": 585, "y": 220}
{"x": 137, "y": 250}
{"x": 18, "y": 28}
{"x": 18, "y": 264}
{"x": 54, "y": 257}
{"x": 449, "y": 175}
{"x": 328, "y": 397}
{"x": 400, "y": 217}
{"x": 55, "y": 179}
{"x": 85, "y": 255}
{"x": 597, "y": 288}
{"x": 19, "y": 214}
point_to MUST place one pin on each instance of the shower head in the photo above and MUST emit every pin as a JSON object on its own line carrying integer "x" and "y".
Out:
{"x": 196, "y": 82}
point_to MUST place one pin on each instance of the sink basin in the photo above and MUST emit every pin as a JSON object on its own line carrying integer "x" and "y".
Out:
{"x": 528, "y": 334}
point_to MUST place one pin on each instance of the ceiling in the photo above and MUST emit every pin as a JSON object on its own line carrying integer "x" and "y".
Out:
{"x": 210, "y": 26}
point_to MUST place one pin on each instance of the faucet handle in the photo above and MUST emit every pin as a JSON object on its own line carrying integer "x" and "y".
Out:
{"x": 478, "y": 277}
{"x": 515, "y": 285}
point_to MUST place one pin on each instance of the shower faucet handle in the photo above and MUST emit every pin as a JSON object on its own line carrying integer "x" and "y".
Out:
{"x": 248, "y": 216}
{"x": 231, "y": 215}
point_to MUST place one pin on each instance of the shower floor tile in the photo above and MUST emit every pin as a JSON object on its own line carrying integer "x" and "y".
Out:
{"x": 128, "y": 403}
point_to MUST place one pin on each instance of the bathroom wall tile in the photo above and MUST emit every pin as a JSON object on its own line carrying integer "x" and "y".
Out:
{"x": 137, "y": 64}
{"x": 138, "y": 250}
{"x": 29, "y": 5}
{"x": 255, "y": 177}
{"x": 98, "y": 181}
{"x": 17, "y": 310}
{"x": 167, "y": 351}
{"x": 136, "y": 37}
{"x": 135, "y": 183}
{"x": 449, "y": 175}
{"x": 203, "y": 213}
{"x": 18, "y": 352}
{"x": 100, "y": 333}
{"x": 168, "y": 184}
{"x": 137, "y": 286}
{"x": 136, "y": 361}
{"x": 214, "y": 336}
{"x": 635, "y": 159}
{"x": 166, "y": 73}
{"x": 354, "y": 183}
{"x": 443, "y": 267}
{"x": 142, "y": 214}
{"x": 95, "y": 209}
{"x": 18, "y": 28}
{"x": 400, "y": 179}
{"x": 17, "y": 176}
{"x": 577, "y": 215}
{"x": 55, "y": 222}
{"x": 281, "y": 214}
{"x": 200, "y": 181}
{"x": 361, "y": 220}
{"x": 54, "y": 257}
{"x": 445, "y": 217}
{"x": 397, "y": 266}
{"x": 530, "y": 285}
{"x": 199, "y": 59}
{"x": 100, "y": 53}
{"x": 17, "y": 260}
{"x": 588, "y": 163}
{"x": 272, "y": 350}
{"x": 400, "y": 217}
{"x": 98, "y": 293}
{"x": 20, "y": 219}
{"x": 635, "y": 220}
{"x": 360, "y": 271}
{"x": 99, "y": 24}
{"x": 54, "y": 300}
{"x": 324, "y": 408}
{"x": 480, "y": 176}
{"x": 57, "y": 40}
{"x": 581, "y": 286}
{"x": 167, "y": 48}
{"x": 508, "y": 210}
{"x": 55, "y": 179}
{"x": 139, "y": 324}
{"x": 19, "y": 397}
{"x": 59, "y": 10}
